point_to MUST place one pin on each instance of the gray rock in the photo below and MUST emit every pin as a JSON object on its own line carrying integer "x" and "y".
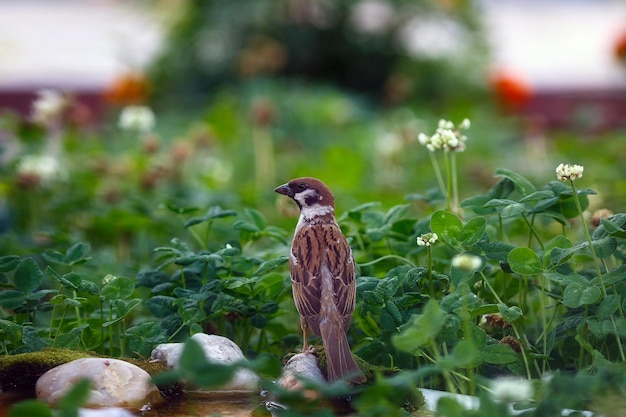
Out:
{"x": 217, "y": 349}
{"x": 114, "y": 383}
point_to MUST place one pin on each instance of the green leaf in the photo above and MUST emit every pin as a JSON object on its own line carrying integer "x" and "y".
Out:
{"x": 212, "y": 213}
{"x": 558, "y": 241}
{"x": 388, "y": 287}
{"x": 498, "y": 354}
{"x": 245, "y": 226}
{"x": 509, "y": 314}
{"x": 77, "y": 253}
{"x": 71, "y": 280}
{"x": 395, "y": 213}
{"x": 608, "y": 306}
{"x": 161, "y": 306}
{"x": 270, "y": 285}
{"x": 477, "y": 204}
{"x": 473, "y": 231}
{"x": 604, "y": 247}
{"x": 576, "y": 295}
{"x": 355, "y": 213}
{"x": 28, "y": 276}
{"x": 9, "y": 263}
{"x": 522, "y": 185}
{"x": 447, "y": 226}
{"x": 393, "y": 311}
{"x": 256, "y": 217}
{"x": 271, "y": 264}
{"x": 118, "y": 288}
{"x": 538, "y": 195}
{"x": 11, "y": 299}
{"x": 30, "y": 408}
{"x": 12, "y": 331}
{"x": 612, "y": 228}
{"x": 422, "y": 329}
{"x": 88, "y": 287}
{"x": 525, "y": 261}
{"x": 513, "y": 210}
{"x": 54, "y": 257}
{"x": 566, "y": 279}
{"x": 614, "y": 276}
{"x": 123, "y": 309}
{"x": 464, "y": 355}
{"x": 76, "y": 396}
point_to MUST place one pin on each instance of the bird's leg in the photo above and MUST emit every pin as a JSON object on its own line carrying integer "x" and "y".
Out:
{"x": 303, "y": 326}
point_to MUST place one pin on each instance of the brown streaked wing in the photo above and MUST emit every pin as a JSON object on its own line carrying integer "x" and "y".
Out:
{"x": 343, "y": 269}
{"x": 305, "y": 274}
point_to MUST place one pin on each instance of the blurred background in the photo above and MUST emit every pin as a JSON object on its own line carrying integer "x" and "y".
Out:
{"x": 247, "y": 94}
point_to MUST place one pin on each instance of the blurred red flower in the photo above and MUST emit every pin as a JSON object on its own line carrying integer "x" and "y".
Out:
{"x": 512, "y": 91}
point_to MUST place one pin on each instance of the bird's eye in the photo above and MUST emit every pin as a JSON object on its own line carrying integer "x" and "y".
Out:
{"x": 301, "y": 186}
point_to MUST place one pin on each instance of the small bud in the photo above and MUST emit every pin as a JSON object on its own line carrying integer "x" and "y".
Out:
{"x": 466, "y": 262}
{"x": 137, "y": 119}
{"x": 511, "y": 389}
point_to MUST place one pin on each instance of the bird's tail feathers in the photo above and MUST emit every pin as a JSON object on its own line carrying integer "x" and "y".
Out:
{"x": 340, "y": 362}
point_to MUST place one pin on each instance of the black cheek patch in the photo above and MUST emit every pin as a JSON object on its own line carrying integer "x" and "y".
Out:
{"x": 312, "y": 198}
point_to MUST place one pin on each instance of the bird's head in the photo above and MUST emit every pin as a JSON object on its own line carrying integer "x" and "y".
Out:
{"x": 308, "y": 193}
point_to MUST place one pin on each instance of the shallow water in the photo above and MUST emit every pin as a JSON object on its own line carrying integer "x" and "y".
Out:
{"x": 193, "y": 404}
{"x": 201, "y": 404}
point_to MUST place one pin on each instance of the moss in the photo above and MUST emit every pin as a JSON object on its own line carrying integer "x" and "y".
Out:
{"x": 21, "y": 372}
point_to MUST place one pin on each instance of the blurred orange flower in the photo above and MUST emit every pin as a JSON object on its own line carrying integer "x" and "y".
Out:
{"x": 619, "y": 48}
{"x": 512, "y": 92}
{"x": 128, "y": 89}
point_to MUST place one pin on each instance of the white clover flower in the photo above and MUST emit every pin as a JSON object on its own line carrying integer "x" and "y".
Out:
{"x": 511, "y": 389}
{"x": 427, "y": 239}
{"x": 47, "y": 107}
{"x": 446, "y": 137}
{"x": 44, "y": 168}
{"x": 389, "y": 144}
{"x": 137, "y": 119}
{"x": 565, "y": 172}
{"x": 108, "y": 278}
{"x": 465, "y": 124}
{"x": 467, "y": 262}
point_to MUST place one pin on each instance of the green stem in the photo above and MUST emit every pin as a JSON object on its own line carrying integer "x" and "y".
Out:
{"x": 77, "y": 310}
{"x": 435, "y": 164}
{"x": 384, "y": 258}
{"x": 110, "y": 329}
{"x": 455, "y": 183}
{"x": 522, "y": 350}
{"x": 448, "y": 181}
{"x": 532, "y": 231}
{"x": 588, "y": 236}
{"x": 619, "y": 341}
{"x": 430, "y": 272}
{"x": 101, "y": 323}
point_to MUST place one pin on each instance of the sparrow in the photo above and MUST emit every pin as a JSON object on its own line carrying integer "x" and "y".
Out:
{"x": 323, "y": 276}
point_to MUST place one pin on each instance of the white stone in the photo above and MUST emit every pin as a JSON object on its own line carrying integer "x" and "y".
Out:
{"x": 114, "y": 383}
{"x": 217, "y": 349}
{"x": 300, "y": 367}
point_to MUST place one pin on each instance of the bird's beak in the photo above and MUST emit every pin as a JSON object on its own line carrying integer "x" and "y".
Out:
{"x": 285, "y": 189}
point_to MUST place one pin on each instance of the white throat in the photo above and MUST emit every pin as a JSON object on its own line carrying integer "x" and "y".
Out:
{"x": 316, "y": 210}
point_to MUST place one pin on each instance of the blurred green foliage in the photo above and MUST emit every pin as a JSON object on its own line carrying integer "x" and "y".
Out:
{"x": 389, "y": 50}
